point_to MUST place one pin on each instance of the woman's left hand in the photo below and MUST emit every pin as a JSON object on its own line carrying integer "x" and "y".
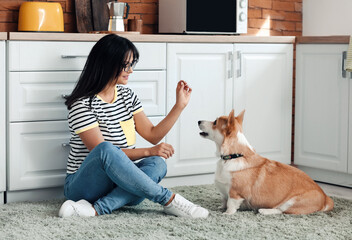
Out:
{"x": 183, "y": 94}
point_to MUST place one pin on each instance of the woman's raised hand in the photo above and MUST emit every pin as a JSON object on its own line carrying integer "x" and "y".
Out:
{"x": 183, "y": 94}
{"x": 162, "y": 150}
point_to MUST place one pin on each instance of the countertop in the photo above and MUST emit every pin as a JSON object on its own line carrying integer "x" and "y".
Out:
{"x": 323, "y": 39}
{"x": 3, "y": 35}
{"x": 152, "y": 38}
{"x": 178, "y": 38}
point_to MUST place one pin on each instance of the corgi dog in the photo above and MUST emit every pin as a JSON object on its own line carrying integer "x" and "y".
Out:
{"x": 247, "y": 180}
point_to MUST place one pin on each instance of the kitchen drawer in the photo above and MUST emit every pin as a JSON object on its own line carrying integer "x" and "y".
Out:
{"x": 53, "y": 56}
{"x": 35, "y": 96}
{"x": 39, "y": 151}
{"x": 37, "y": 154}
{"x": 150, "y": 87}
{"x": 44, "y": 56}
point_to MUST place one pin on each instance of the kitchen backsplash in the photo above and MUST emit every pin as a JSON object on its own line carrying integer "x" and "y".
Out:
{"x": 265, "y": 17}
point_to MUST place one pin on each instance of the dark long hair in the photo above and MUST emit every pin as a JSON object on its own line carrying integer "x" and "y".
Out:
{"x": 104, "y": 64}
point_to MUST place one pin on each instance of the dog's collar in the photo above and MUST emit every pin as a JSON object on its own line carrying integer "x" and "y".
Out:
{"x": 231, "y": 156}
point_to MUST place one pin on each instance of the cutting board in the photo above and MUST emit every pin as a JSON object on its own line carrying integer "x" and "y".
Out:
{"x": 84, "y": 18}
{"x": 100, "y": 12}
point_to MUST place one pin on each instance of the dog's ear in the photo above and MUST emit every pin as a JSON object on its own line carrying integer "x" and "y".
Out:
{"x": 231, "y": 119}
{"x": 240, "y": 117}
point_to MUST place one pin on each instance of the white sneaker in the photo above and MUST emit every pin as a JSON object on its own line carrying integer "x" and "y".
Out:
{"x": 81, "y": 208}
{"x": 181, "y": 207}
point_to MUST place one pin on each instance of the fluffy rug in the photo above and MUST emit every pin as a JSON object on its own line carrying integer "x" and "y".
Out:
{"x": 38, "y": 220}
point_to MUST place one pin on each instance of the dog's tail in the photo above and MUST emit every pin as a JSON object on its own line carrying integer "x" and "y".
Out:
{"x": 329, "y": 204}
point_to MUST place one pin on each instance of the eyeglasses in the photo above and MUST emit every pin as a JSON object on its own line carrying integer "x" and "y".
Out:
{"x": 128, "y": 66}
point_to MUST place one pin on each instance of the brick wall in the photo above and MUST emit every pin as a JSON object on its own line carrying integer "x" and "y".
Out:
{"x": 275, "y": 17}
{"x": 147, "y": 10}
{"x": 265, "y": 17}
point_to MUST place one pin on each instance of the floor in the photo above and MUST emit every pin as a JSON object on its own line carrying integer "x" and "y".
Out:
{"x": 337, "y": 191}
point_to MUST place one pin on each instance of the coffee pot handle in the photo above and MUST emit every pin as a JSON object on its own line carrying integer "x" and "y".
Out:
{"x": 127, "y": 10}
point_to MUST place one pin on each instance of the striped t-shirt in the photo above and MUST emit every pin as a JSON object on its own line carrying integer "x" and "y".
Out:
{"x": 115, "y": 121}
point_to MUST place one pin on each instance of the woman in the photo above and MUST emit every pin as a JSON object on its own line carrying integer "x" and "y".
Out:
{"x": 103, "y": 117}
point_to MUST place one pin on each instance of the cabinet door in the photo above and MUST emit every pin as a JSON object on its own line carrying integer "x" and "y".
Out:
{"x": 263, "y": 88}
{"x": 150, "y": 89}
{"x": 38, "y": 154}
{"x": 2, "y": 120}
{"x": 321, "y": 110}
{"x": 205, "y": 68}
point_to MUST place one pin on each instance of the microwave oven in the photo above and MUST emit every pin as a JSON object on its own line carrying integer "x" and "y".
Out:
{"x": 203, "y": 16}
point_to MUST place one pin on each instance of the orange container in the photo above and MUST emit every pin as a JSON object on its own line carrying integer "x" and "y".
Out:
{"x": 41, "y": 17}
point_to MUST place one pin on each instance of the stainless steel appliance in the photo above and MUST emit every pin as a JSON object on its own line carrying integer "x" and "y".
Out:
{"x": 117, "y": 12}
{"x": 203, "y": 16}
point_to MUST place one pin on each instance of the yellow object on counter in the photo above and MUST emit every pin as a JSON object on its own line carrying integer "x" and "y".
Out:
{"x": 41, "y": 17}
{"x": 349, "y": 57}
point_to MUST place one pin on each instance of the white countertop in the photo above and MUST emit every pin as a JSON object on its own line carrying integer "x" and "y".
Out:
{"x": 151, "y": 38}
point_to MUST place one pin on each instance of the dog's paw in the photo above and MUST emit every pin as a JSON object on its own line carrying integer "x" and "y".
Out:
{"x": 266, "y": 211}
{"x": 230, "y": 212}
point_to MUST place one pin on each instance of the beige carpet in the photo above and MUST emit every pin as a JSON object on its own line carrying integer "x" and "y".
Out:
{"x": 39, "y": 220}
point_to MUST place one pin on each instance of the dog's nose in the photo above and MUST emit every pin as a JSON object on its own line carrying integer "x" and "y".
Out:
{"x": 199, "y": 122}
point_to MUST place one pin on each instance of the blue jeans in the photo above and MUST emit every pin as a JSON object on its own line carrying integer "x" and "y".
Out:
{"x": 109, "y": 179}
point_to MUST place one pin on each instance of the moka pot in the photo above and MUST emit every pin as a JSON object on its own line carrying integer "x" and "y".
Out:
{"x": 117, "y": 12}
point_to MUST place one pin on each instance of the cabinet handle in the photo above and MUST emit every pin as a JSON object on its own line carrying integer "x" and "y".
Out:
{"x": 344, "y": 55}
{"x": 74, "y": 56}
{"x": 65, "y": 145}
{"x": 239, "y": 58}
{"x": 230, "y": 71}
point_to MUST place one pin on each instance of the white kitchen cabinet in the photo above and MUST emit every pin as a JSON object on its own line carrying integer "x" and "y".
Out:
{"x": 205, "y": 67}
{"x": 40, "y": 74}
{"x": 2, "y": 121}
{"x": 323, "y": 112}
{"x": 254, "y": 77}
{"x": 263, "y": 87}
